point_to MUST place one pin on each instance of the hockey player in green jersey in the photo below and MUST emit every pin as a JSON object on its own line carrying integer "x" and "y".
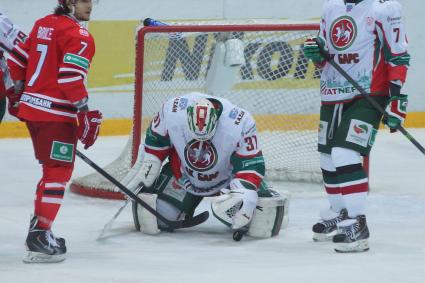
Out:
{"x": 368, "y": 40}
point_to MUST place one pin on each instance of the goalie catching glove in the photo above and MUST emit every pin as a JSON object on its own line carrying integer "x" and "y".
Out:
{"x": 238, "y": 203}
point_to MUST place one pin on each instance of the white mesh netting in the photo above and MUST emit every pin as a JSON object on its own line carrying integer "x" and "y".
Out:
{"x": 276, "y": 83}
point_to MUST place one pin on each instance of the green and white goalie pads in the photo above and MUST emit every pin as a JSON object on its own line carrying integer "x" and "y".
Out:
{"x": 144, "y": 221}
{"x": 270, "y": 216}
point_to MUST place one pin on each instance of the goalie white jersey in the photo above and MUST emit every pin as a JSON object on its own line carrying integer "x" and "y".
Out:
{"x": 233, "y": 152}
{"x": 368, "y": 41}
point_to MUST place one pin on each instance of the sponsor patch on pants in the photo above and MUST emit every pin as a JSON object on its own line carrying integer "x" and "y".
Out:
{"x": 359, "y": 132}
{"x": 62, "y": 151}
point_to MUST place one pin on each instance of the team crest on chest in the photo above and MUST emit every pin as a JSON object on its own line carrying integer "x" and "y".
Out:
{"x": 343, "y": 32}
{"x": 200, "y": 156}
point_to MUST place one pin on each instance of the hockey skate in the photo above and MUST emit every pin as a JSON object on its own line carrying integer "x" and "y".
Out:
{"x": 43, "y": 246}
{"x": 327, "y": 228}
{"x": 352, "y": 235}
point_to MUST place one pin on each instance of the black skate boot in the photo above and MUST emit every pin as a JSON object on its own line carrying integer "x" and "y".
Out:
{"x": 326, "y": 229}
{"x": 352, "y": 235}
{"x": 43, "y": 246}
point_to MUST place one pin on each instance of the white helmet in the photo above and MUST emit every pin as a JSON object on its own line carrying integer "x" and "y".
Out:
{"x": 202, "y": 119}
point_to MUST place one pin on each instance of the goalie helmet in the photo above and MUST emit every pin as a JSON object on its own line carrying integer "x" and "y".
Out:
{"x": 202, "y": 119}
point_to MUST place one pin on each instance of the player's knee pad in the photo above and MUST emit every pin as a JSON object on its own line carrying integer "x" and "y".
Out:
{"x": 270, "y": 215}
{"x": 57, "y": 173}
{"x": 146, "y": 222}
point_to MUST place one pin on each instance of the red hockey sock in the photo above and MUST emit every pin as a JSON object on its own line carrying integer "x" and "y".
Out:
{"x": 50, "y": 192}
{"x": 47, "y": 202}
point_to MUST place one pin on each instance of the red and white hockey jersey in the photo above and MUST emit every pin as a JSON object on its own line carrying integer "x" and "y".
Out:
{"x": 54, "y": 62}
{"x": 369, "y": 42}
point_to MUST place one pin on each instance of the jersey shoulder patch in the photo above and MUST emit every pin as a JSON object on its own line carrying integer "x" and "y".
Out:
{"x": 177, "y": 104}
{"x": 238, "y": 118}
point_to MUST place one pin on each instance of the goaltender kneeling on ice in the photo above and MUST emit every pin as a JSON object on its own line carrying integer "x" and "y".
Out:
{"x": 201, "y": 146}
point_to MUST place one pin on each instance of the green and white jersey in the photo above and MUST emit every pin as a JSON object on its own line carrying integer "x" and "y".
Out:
{"x": 233, "y": 152}
{"x": 368, "y": 40}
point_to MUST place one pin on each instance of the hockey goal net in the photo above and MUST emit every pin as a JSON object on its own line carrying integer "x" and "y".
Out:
{"x": 259, "y": 67}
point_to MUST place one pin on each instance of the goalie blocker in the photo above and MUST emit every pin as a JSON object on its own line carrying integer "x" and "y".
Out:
{"x": 270, "y": 215}
{"x": 168, "y": 197}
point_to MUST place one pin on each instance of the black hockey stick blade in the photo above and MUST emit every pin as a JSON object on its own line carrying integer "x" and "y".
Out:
{"x": 375, "y": 104}
{"x": 170, "y": 223}
{"x": 196, "y": 220}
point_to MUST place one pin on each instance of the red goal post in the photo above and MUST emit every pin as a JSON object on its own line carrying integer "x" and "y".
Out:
{"x": 275, "y": 83}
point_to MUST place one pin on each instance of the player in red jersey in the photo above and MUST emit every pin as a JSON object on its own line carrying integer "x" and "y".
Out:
{"x": 53, "y": 64}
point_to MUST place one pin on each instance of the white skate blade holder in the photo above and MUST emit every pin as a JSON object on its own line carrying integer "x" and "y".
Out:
{"x": 355, "y": 247}
{"x": 321, "y": 237}
{"x": 35, "y": 257}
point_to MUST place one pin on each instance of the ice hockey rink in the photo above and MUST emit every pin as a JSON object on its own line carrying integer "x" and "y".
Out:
{"x": 207, "y": 253}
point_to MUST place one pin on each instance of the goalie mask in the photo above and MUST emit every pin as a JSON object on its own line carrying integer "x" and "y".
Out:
{"x": 202, "y": 119}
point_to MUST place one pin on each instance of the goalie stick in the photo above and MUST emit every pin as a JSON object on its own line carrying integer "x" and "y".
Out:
{"x": 186, "y": 223}
{"x": 375, "y": 104}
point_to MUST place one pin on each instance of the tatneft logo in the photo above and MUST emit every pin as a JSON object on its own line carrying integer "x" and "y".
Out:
{"x": 360, "y": 129}
{"x": 200, "y": 156}
{"x": 343, "y": 32}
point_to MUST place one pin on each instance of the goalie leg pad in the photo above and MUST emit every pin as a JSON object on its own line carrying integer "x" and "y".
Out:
{"x": 271, "y": 215}
{"x": 169, "y": 211}
{"x": 144, "y": 221}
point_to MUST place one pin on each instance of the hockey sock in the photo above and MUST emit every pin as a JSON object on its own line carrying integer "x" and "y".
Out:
{"x": 331, "y": 183}
{"x": 352, "y": 179}
{"x": 354, "y": 187}
{"x": 333, "y": 190}
{"x": 49, "y": 195}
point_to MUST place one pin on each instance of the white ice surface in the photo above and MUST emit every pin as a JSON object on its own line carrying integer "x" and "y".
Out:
{"x": 207, "y": 253}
